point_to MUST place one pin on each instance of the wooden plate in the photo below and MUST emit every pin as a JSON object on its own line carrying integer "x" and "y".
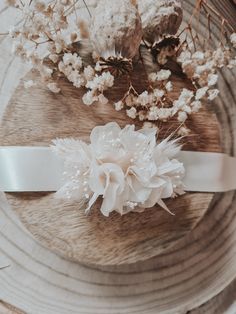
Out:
{"x": 35, "y": 117}
{"x": 191, "y": 275}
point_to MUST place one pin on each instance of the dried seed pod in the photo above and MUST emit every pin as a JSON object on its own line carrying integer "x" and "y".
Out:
{"x": 159, "y": 17}
{"x": 116, "y": 29}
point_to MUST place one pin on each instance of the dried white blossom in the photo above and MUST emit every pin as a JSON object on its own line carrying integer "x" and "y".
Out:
{"x": 232, "y": 63}
{"x": 163, "y": 75}
{"x": 97, "y": 85}
{"x": 153, "y": 114}
{"x": 54, "y": 57}
{"x": 183, "y": 131}
{"x": 71, "y": 66}
{"x": 233, "y": 39}
{"x": 53, "y": 87}
{"x": 89, "y": 98}
{"x": 201, "y": 92}
{"x": 213, "y": 93}
{"x": 169, "y": 86}
{"x": 101, "y": 82}
{"x": 89, "y": 73}
{"x": 182, "y": 116}
{"x": 128, "y": 169}
{"x": 196, "y": 105}
{"x": 102, "y": 99}
{"x": 212, "y": 79}
{"x": 184, "y": 56}
{"x": 132, "y": 113}
{"x": 152, "y": 77}
{"x": 144, "y": 99}
{"x": 158, "y": 93}
{"x": 119, "y": 105}
{"x": 198, "y": 55}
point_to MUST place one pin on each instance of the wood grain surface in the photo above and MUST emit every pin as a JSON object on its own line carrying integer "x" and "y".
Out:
{"x": 193, "y": 272}
{"x": 36, "y": 116}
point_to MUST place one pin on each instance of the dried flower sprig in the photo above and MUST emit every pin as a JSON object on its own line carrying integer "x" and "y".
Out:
{"x": 47, "y": 31}
{"x": 196, "y": 62}
{"x": 52, "y": 31}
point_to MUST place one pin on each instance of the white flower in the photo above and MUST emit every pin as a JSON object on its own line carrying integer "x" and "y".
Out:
{"x": 182, "y": 116}
{"x": 163, "y": 75}
{"x": 186, "y": 95}
{"x": 144, "y": 98}
{"x": 201, "y": 92}
{"x": 164, "y": 113}
{"x": 150, "y": 125}
{"x": 152, "y": 77}
{"x": 233, "y": 39}
{"x": 119, "y": 105}
{"x": 53, "y": 87}
{"x": 212, "y": 79}
{"x": 102, "y": 99}
{"x": 181, "y": 104}
{"x": 98, "y": 67}
{"x": 89, "y": 98}
{"x": 198, "y": 55}
{"x": 73, "y": 59}
{"x": 76, "y": 78}
{"x": 54, "y": 57}
{"x": 183, "y": 131}
{"x": 127, "y": 169}
{"x": 232, "y": 63}
{"x": 101, "y": 82}
{"x": 158, "y": 93}
{"x": 89, "y": 73}
{"x": 196, "y": 105}
{"x": 184, "y": 56}
{"x": 153, "y": 114}
{"x": 213, "y": 93}
{"x": 169, "y": 86}
{"x": 132, "y": 113}
{"x": 45, "y": 72}
{"x": 71, "y": 67}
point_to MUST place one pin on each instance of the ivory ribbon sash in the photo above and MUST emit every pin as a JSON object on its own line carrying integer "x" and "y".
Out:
{"x": 37, "y": 169}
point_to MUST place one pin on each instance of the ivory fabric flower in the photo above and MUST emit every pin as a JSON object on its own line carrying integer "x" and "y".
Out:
{"x": 128, "y": 169}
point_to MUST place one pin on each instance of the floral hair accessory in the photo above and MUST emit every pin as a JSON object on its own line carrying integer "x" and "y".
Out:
{"x": 129, "y": 169}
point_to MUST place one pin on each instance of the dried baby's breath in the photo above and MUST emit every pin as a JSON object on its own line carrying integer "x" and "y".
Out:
{"x": 54, "y": 31}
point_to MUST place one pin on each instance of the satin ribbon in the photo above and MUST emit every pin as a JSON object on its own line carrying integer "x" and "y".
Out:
{"x": 37, "y": 169}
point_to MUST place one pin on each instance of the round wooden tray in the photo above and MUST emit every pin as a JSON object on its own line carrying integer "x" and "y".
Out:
{"x": 36, "y": 116}
{"x": 191, "y": 275}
